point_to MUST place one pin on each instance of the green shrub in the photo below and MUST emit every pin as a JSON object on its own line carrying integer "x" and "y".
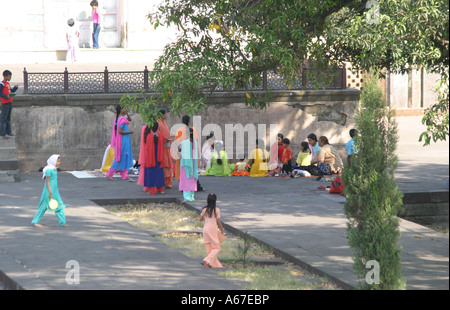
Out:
{"x": 373, "y": 198}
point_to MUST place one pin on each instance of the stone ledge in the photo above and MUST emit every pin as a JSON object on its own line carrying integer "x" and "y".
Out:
{"x": 9, "y": 164}
{"x": 222, "y": 98}
{"x": 426, "y": 197}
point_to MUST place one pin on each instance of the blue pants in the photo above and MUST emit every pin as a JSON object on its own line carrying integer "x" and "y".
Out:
{"x": 5, "y": 119}
{"x": 95, "y": 35}
{"x": 60, "y": 215}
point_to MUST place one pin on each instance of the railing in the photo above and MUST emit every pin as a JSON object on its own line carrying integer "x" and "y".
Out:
{"x": 127, "y": 82}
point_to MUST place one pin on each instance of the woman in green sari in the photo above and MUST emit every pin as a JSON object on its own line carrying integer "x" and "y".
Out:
{"x": 219, "y": 162}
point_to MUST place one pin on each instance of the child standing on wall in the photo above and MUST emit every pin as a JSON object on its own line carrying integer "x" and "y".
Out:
{"x": 6, "y": 98}
{"x": 96, "y": 23}
{"x": 72, "y": 36}
{"x": 211, "y": 215}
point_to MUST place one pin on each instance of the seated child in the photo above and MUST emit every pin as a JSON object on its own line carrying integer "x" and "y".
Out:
{"x": 241, "y": 168}
{"x": 304, "y": 157}
{"x": 287, "y": 163}
{"x": 303, "y": 160}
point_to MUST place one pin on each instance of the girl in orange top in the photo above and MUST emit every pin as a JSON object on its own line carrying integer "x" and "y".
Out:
{"x": 287, "y": 164}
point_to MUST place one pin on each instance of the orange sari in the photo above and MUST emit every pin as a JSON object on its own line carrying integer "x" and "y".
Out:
{"x": 168, "y": 171}
{"x": 241, "y": 169}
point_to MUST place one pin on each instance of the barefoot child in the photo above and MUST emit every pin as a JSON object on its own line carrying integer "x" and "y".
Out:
{"x": 50, "y": 175}
{"x": 211, "y": 215}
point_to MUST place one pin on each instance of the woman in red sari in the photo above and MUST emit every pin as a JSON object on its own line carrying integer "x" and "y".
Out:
{"x": 152, "y": 160}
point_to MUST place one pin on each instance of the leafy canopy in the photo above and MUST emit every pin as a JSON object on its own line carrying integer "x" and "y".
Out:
{"x": 227, "y": 44}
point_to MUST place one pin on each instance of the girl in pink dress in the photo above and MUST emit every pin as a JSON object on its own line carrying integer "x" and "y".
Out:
{"x": 211, "y": 215}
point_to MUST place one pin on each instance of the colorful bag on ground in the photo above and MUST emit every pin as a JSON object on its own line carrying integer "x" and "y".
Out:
{"x": 108, "y": 158}
{"x": 336, "y": 186}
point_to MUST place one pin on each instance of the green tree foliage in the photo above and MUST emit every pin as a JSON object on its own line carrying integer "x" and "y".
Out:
{"x": 229, "y": 43}
{"x": 436, "y": 116}
{"x": 373, "y": 198}
{"x": 407, "y": 33}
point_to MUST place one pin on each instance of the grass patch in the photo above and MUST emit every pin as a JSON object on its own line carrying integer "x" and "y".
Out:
{"x": 181, "y": 229}
{"x": 160, "y": 217}
{"x": 269, "y": 278}
{"x": 192, "y": 245}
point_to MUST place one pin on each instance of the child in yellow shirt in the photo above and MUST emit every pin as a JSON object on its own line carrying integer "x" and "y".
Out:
{"x": 304, "y": 157}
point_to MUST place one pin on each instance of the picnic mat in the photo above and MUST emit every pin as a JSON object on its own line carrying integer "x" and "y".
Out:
{"x": 95, "y": 174}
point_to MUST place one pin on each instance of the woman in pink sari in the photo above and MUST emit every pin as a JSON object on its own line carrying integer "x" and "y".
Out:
{"x": 211, "y": 215}
{"x": 121, "y": 142}
{"x": 276, "y": 156}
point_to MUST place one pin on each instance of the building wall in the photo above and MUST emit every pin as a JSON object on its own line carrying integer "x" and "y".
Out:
{"x": 42, "y": 24}
{"x": 37, "y": 25}
{"x": 414, "y": 90}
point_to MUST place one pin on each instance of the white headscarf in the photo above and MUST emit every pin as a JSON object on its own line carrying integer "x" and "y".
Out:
{"x": 218, "y": 145}
{"x": 51, "y": 164}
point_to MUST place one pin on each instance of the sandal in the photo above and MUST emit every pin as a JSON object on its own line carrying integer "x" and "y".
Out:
{"x": 206, "y": 264}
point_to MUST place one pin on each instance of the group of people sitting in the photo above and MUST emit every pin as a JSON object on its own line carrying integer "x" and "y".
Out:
{"x": 163, "y": 158}
{"x": 316, "y": 157}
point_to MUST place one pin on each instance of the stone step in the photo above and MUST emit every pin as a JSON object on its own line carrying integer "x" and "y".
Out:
{"x": 9, "y": 164}
{"x": 9, "y": 176}
{"x": 8, "y": 152}
{"x": 11, "y": 142}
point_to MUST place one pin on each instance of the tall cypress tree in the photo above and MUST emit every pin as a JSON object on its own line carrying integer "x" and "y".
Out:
{"x": 373, "y": 198}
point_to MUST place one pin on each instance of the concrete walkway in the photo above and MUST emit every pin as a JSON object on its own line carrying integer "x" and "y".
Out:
{"x": 302, "y": 223}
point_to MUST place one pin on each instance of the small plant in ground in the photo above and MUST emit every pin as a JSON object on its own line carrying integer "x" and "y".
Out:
{"x": 244, "y": 247}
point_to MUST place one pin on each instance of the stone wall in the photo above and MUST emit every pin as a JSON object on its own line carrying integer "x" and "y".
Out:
{"x": 78, "y": 127}
{"x": 426, "y": 208}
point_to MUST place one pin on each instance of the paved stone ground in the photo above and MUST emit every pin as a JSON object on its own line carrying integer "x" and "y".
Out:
{"x": 305, "y": 224}
{"x": 300, "y": 221}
